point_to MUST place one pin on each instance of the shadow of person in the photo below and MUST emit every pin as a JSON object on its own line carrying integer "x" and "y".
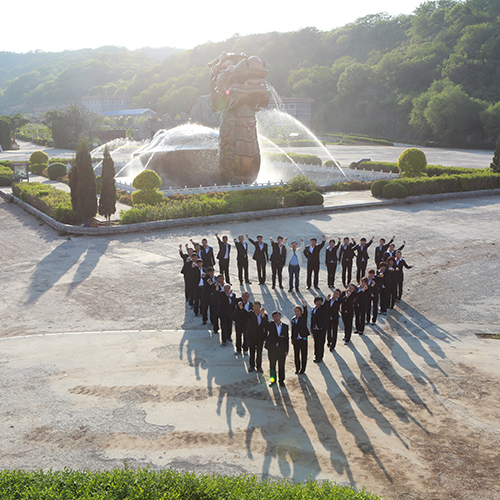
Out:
{"x": 324, "y": 429}
{"x": 404, "y": 361}
{"x": 52, "y": 268}
{"x": 349, "y": 419}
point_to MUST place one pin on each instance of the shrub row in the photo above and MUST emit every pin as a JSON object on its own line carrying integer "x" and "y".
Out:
{"x": 181, "y": 206}
{"x": 146, "y": 484}
{"x": 430, "y": 170}
{"x": 6, "y": 175}
{"x": 378, "y": 166}
{"x": 46, "y": 198}
{"x": 350, "y": 186}
{"x": 401, "y": 188}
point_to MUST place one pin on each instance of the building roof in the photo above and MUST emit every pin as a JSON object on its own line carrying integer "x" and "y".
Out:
{"x": 129, "y": 112}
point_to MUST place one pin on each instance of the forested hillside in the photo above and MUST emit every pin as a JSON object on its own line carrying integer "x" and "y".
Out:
{"x": 430, "y": 76}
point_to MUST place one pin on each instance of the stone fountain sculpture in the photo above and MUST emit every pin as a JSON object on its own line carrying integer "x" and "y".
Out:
{"x": 190, "y": 155}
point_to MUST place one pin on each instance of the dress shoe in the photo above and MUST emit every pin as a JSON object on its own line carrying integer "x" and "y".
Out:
{"x": 281, "y": 286}
{"x": 296, "y": 373}
{"x": 251, "y": 369}
{"x": 245, "y": 353}
{"x": 289, "y": 290}
{"x": 248, "y": 282}
{"x": 302, "y": 372}
{"x": 273, "y": 287}
{"x": 282, "y": 384}
{"x": 204, "y": 322}
{"x": 260, "y": 370}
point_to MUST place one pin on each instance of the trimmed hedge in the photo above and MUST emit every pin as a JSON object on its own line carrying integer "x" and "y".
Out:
{"x": 296, "y": 157}
{"x": 147, "y": 484}
{"x": 450, "y": 183}
{"x": 377, "y": 166}
{"x": 378, "y": 187}
{"x": 147, "y": 179}
{"x": 56, "y": 170}
{"x": 394, "y": 189}
{"x": 412, "y": 162}
{"x": 147, "y": 197}
{"x": 46, "y": 198}
{"x": 38, "y": 157}
{"x": 6, "y": 176}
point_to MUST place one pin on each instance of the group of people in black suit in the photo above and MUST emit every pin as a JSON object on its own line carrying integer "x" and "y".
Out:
{"x": 212, "y": 295}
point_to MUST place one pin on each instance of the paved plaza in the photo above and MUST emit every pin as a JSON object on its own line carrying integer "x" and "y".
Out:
{"x": 101, "y": 361}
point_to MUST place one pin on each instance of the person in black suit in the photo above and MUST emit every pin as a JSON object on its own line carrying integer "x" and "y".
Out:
{"x": 277, "y": 346}
{"x": 312, "y": 255}
{"x": 332, "y": 316}
{"x": 380, "y": 250}
{"x": 331, "y": 261}
{"x": 318, "y": 328}
{"x": 400, "y": 264}
{"x": 240, "y": 318}
{"x": 260, "y": 256}
{"x": 278, "y": 259}
{"x": 223, "y": 257}
{"x": 393, "y": 273}
{"x": 242, "y": 259}
{"x": 361, "y": 250}
{"x": 197, "y": 276}
{"x": 384, "y": 286}
{"x": 256, "y": 335}
{"x": 346, "y": 256}
{"x": 373, "y": 294}
{"x": 300, "y": 332}
{"x": 186, "y": 271}
{"x": 391, "y": 251}
{"x": 214, "y": 303}
{"x": 207, "y": 293}
{"x": 360, "y": 305}
{"x": 207, "y": 254}
{"x": 227, "y": 303}
{"x": 347, "y": 311}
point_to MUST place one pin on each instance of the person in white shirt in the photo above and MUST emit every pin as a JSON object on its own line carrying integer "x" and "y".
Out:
{"x": 294, "y": 261}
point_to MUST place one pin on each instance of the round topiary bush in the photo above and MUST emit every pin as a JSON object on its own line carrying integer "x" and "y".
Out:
{"x": 394, "y": 190}
{"x": 314, "y": 198}
{"x": 147, "y": 179}
{"x": 39, "y": 157}
{"x": 56, "y": 170}
{"x": 147, "y": 197}
{"x": 412, "y": 162}
{"x": 377, "y": 187}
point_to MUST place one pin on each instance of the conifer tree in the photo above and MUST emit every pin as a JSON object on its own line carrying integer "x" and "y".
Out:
{"x": 82, "y": 184}
{"x": 107, "y": 201}
{"x": 495, "y": 164}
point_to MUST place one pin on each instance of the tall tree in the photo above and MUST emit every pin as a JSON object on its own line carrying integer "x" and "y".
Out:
{"x": 495, "y": 164}
{"x": 107, "y": 200}
{"x": 83, "y": 185}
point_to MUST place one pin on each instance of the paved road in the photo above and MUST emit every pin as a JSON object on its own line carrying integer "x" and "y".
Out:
{"x": 101, "y": 361}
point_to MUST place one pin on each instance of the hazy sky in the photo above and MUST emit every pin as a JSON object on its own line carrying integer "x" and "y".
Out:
{"x": 55, "y": 25}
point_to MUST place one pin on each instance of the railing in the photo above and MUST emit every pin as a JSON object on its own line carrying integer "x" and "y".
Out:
{"x": 324, "y": 176}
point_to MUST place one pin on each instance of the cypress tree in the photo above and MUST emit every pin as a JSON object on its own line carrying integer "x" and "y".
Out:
{"x": 107, "y": 201}
{"x": 495, "y": 164}
{"x": 82, "y": 184}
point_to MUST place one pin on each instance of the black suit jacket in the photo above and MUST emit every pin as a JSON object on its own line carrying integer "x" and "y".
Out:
{"x": 299, "y": 327}
{"x": 242, "y": 251}
{"x": 222, "y": 249}
{"x": 346, "y": 254}
{"x": 276, "y": 258}
{"x": 319, "y": 318}
{"x": 256, "y": 334}
{"x": 331, "y": 254}
{"x": 361, "y": 253}
{"x": 393, "y": 254}
{"x": 196, "y": 275}
{"x": 275, "y": 341}
{"x": 379, "y": 252}
{"x": 208, "y": 257}
{"x": 313, "y": 257}
{"x": 260, "y": 255}
{"x": 225, "y": 308}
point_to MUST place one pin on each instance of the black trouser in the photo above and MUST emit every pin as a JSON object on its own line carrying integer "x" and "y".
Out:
{"x": 332, "y": 331}
{"x": 312, "y": 268}
{"x": 384, "y": 299}
{"x": 360, "y": 319}
{"x": 347, "y": 320}
{"x": 373, "y": 309}
{"x": 277, "y": 355}
{"x": 261, "y": 270}
{"x": 240, "y": 328}
{"x": 187, "y": 289}
{"x": 197, "y": 298}
{"x": 277, "y": 270}
{"x": 227, "y": 328}
{"x": 346, "y": 270}
{"x": 360, "y": 270}
{"x": 224, "y": 269}
{"x": 300, "y": 355}
{"x": 255, "y": 360}
{"x": 392, "y": 294}
{"x": 319, "y": 343}
{"x": 331, "y": 268}
{"x": 243, "y": 269}
{"x": 399, "y": 290}
{"x": 205, "y": 303}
